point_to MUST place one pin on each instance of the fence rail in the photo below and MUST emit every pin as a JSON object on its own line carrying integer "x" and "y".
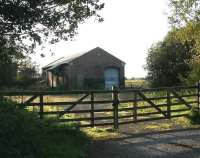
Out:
{"x": 122, "y": 107}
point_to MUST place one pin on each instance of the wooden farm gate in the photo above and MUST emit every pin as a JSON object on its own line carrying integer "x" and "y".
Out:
{"x": 110, "y": 107}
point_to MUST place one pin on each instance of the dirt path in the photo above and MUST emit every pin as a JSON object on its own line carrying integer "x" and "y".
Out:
{"x": 176, "y": 143}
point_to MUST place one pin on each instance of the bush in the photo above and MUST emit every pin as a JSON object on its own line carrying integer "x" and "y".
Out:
{"x": 194, "y": 116}
{"x": 24, "y": 135}
{"x": 20, "y": 132}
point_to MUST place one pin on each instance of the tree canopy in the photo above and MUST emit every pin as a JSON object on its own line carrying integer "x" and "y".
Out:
{"x": 10, "y": 56}
{"x": 184, "y": 16}
{"x": 38, "y": 19}
{"x": 184, "y": 11}
{"x": 169, "y": 61}
{"x": 26, "y": 23}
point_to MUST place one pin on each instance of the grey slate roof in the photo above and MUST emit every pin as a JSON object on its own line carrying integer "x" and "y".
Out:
{"x": 67, "y": 60}
{"x": 62, "y": 60}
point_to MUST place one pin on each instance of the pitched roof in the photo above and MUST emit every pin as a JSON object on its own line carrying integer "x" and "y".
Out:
{"x": 68, "y": 59}
{"x": 62, "y": 60}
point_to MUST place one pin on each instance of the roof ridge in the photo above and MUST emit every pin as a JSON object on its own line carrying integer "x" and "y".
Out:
{"x": 68, "y": 59}
{"x": 53, "y": 62}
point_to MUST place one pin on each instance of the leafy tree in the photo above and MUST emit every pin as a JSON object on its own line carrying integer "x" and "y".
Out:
{"x": 38, "y": 19}
{"x": 184, "y": 11}
{"x": 193, "y": 75}
{"x": 167, "y": 61}
{"x": 188, "y": 33}
{"x": 28, "y": 73}
{"x": 15, "y": 67}
{"x": 185, "y": 17}
{"x": 10, "y": 57}
{"x": 26, "y": 23}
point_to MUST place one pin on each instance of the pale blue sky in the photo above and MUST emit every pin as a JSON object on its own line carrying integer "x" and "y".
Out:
{"x": 129, "y": 29}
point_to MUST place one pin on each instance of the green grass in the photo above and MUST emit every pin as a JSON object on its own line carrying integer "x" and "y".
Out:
{"x": 63, "y": 142}
{"x": 98, "y": 133}
{"x": 136, "y": 83}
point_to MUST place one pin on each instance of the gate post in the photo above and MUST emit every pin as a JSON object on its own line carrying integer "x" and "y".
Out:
{"x": 135, "y": 107}
{"x": 115, "y": 103}
{"x": 168, "y": 104}
{"x": 41, "y": 106}
{"x": 198, "y": 96}
{"x": 92, "y": 110}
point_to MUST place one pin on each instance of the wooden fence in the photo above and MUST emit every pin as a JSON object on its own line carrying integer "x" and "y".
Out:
{"x": 118, "y": 107}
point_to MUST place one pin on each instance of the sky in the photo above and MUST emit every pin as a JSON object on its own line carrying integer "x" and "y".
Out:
{"x": 129, "y": 29}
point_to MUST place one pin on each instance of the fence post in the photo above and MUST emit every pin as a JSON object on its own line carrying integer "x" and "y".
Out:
{"x": 92, "y": 110}
{"x": 135, "y": 107}
{"x": 115, "y": 107}
{"x": 198, "y": 96}
{"x": 168, "y": 104}
{"x": 41, "y": 106}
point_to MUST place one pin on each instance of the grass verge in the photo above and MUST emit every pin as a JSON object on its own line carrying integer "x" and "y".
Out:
{"x": 98, "y": 133}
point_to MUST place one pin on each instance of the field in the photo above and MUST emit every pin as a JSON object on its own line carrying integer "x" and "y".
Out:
{"x": 137, "y": 83}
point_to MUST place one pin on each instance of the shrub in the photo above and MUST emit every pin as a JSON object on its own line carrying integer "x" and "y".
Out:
{"x": 20, "y": 132}
{"x": 194, "y": 116}
{"x": 24, "y": 135}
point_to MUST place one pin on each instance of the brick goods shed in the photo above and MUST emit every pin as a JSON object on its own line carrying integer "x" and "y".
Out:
{"x": 90, "y": 70}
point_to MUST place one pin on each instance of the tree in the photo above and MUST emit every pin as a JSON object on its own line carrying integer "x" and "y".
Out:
{"x": 38, "y": 19}
{"x": 27, "y": 74}
{"x": 185, "y": 18}
{"x": 184, "y": 11}
{"x": 10, "y": 57}
{"x": 26, "y": 23}
{"x": 168, "y": 61}
{"x": 16, "y": 68}
{"x": 193, "y": 75}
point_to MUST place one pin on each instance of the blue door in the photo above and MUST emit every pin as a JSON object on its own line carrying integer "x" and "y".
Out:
{"x": 111, "y": 76}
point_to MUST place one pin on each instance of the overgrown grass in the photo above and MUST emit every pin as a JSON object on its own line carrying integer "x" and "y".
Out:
{"x": 98, "y": 133}
{"x": 64, "y": 141}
